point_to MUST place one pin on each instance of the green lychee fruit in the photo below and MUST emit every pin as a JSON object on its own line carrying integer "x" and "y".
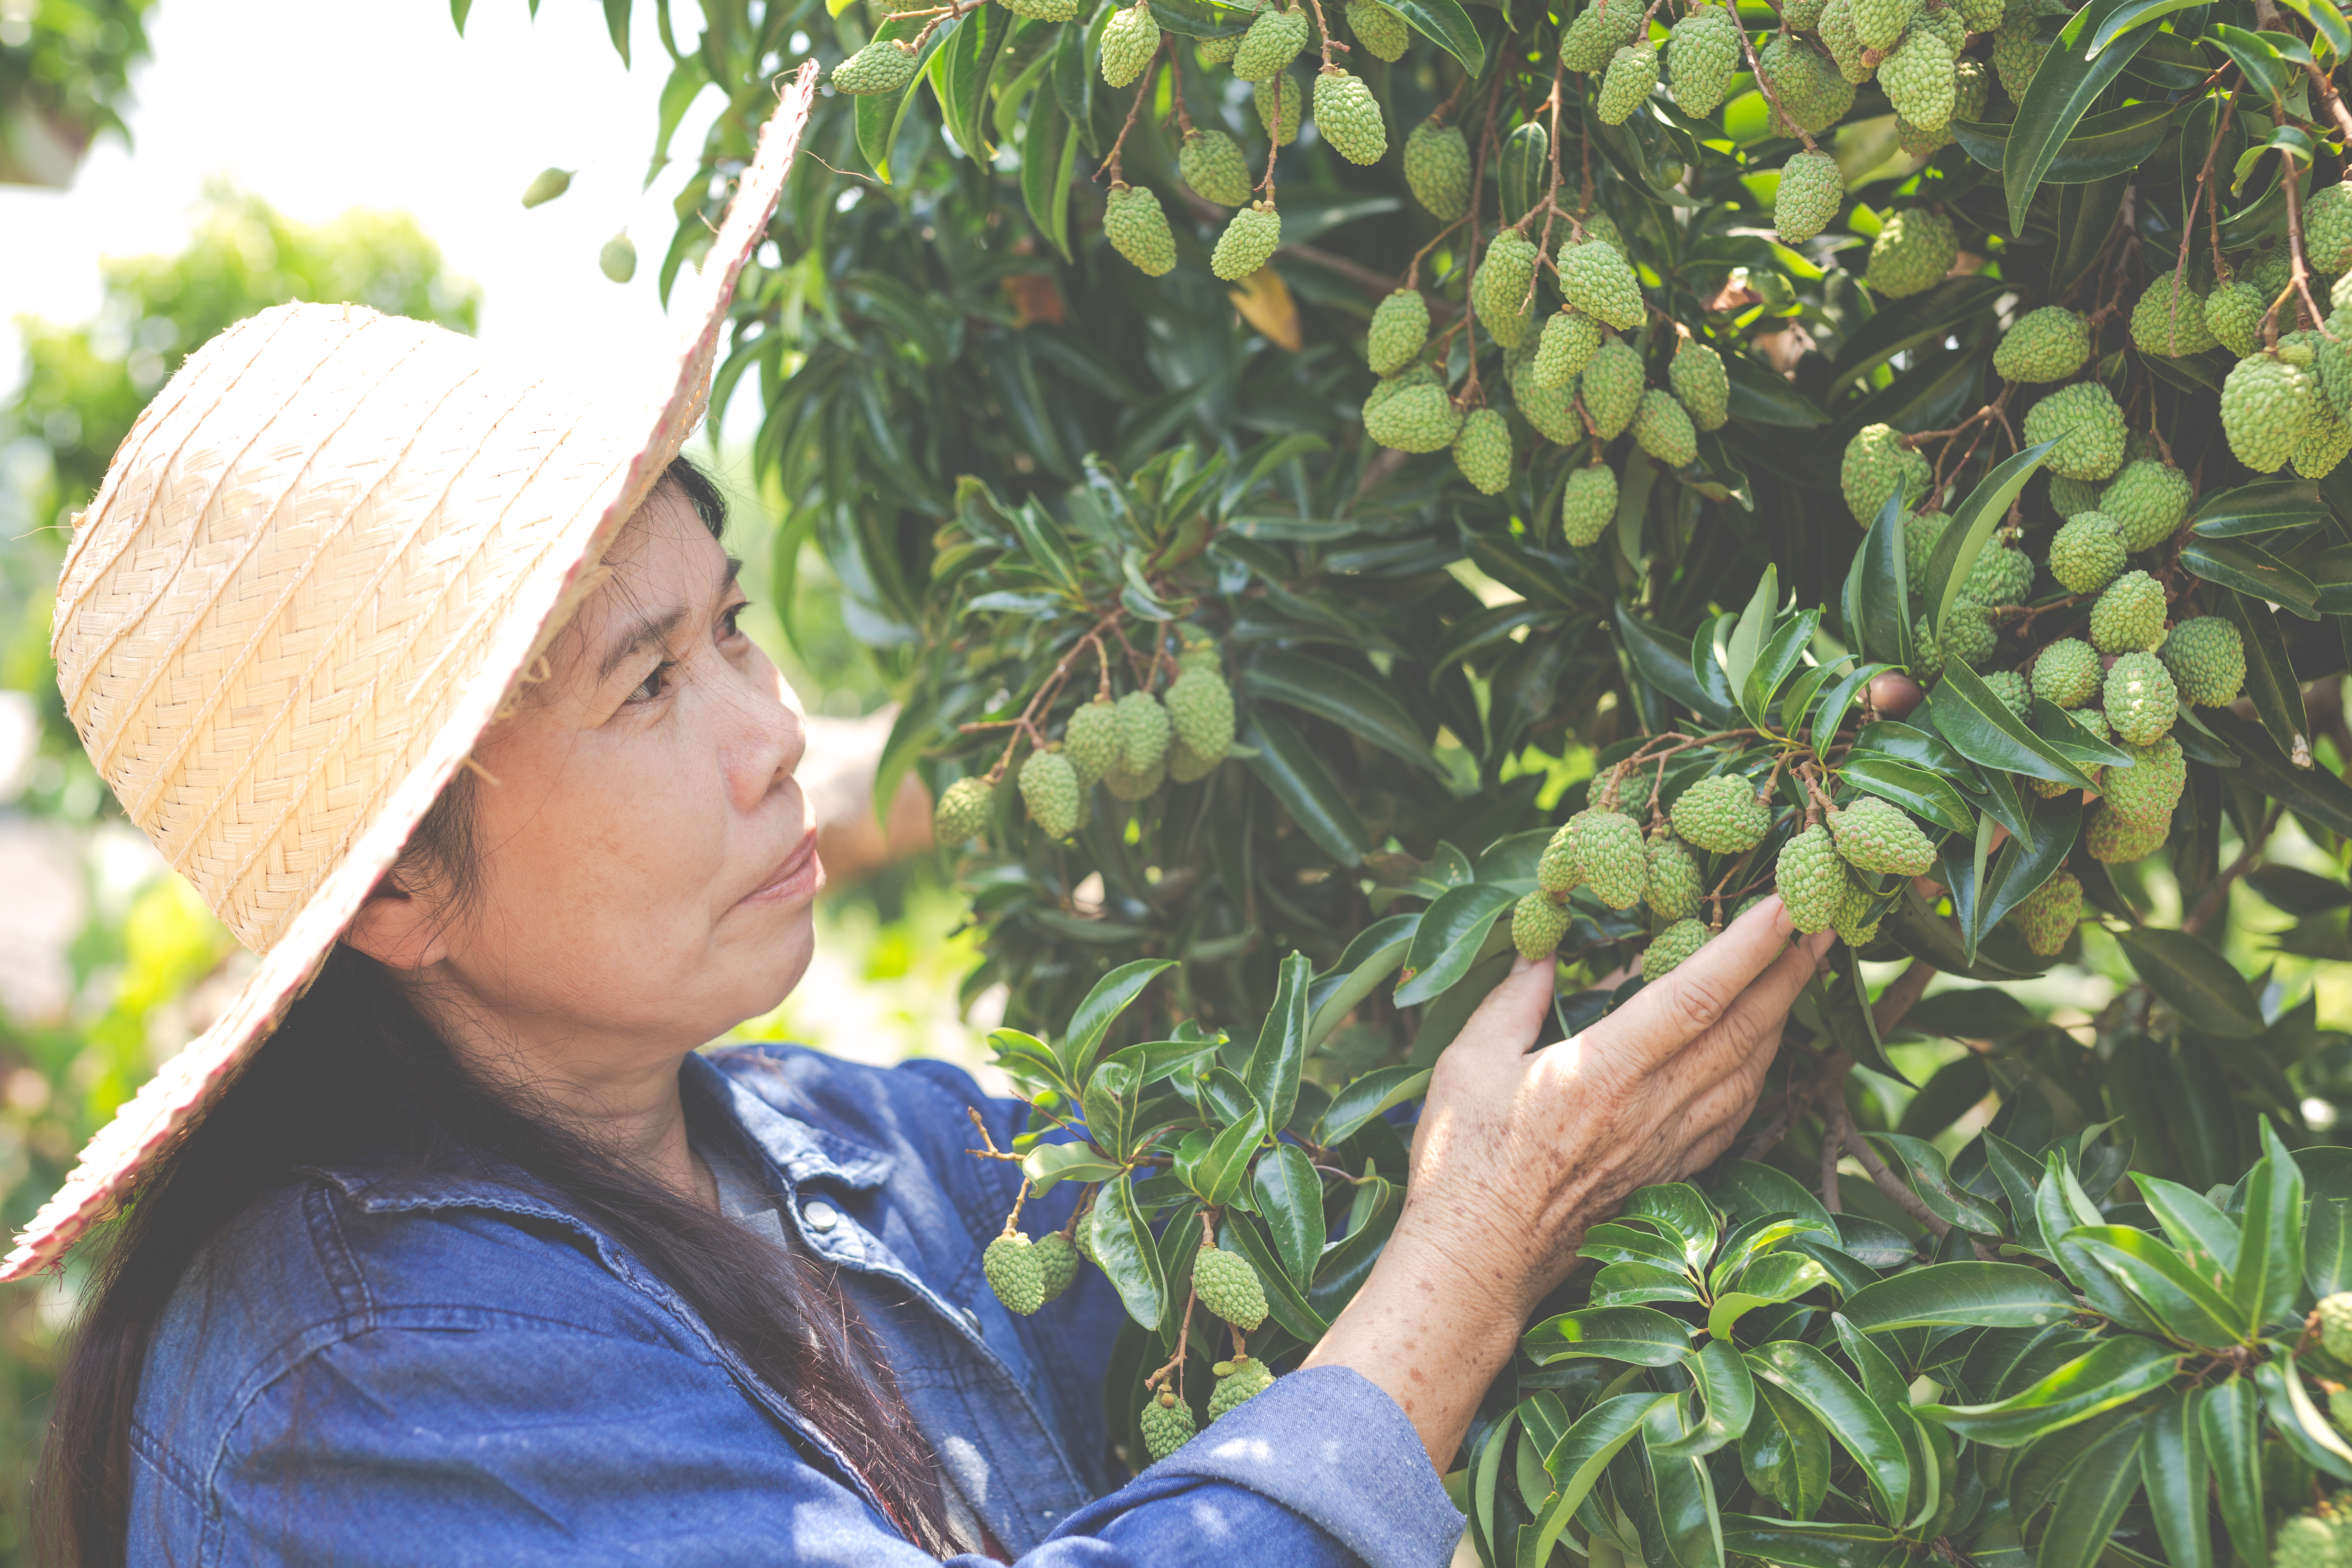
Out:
{"x": 1912, "y": 251}
{"x": 2067, "y": 673}
{"x": 1092, "y": 742}
{"x": 1438, "y": 169}
{"x": 2265, "y": 401}
{"x": 1697, "y": 376}
{"x": 2170, "y": 319}
{"x": 1815, "y": 95}
{"x": 1597, "y": 281}
{"x": 1143, "y": 732}
{"x": 1611, "y": 388}
{"x": 1633, "y": 76}
{"x": 1600, "y": 31}
{"x": 1201, "y": 709}
{"x": 2151, "y": 786}
{"x": 545, "y": 186}
{"x": 1922, "y": 531}
{"x": 1968, "y": 635}
{"x": 1721, "y": 814}
{"x": 1551, "y": 409}
{"x": 1248, "y": 242}
{"x": 1844, "y": 44}
{"x": 1273, "y": 41}
{"x": 2000, "y": 575}
{"x": 1049, "y": 786}
{"x": 1876, "y": 467}
{"x": 1878, "y": 835}
{"x": 1702, "y": 56}
{"x": 2207, "y": 659}
{"x": 2113, "y": 839}
{"x": 2010, "y": 688}
{"x": 1011, "y": 1266}
{"x": 1058, "y": 1262}
{"x": 1229, "y": 1287}
{"x": 2087, "y": 553}
{"x": 1671, "y": 884}
{"x": 1810, "y": 879}
{"x": 2328, "y": 228}
{"x": 2139, "y": 698}
{"x": 1663, "y": 428}
{"x": 1138, "y": 229}
{"x": 1671, "y": 948}
{"x": 1611, "y": 854}
{"x": 1921, "y": 83}
{"x": 2233, "y": 314}
{"x": 2325, "y": 441}
{"x": 1538, "y": 923}
{"x": 2018, "y": 46}
{"x": 2147, "y": 500}
{"x": 2335, "y": 1325}
{"x": 2128, "y": 617}
{"x": 1248, "y": 1378}
{"x": 1416, "y": 419}
{"x": 1129, "y": 39}
{"x": 1881, "y": 23}
{"x": 1812, "y": 190}
{"x": 1856, "y": 925}
{"x": 1280, "y": 103}
{"x": 1482, "y": 450}
{"x": 962, "y": 815}
{"x": 1212, "y": 163}
{"x": 885, "y": 65}
{"x": 1167, "y": 1423}
{"x": 2050, "y": 913}
{"x": 1503, "y": 291}
{"x": 1589, "y": 504}
{"x": 1380, "y": 29}
{"x": 1349, "y": 117}
{"x": 2048, "y": 344}
{"x": 2086, "y": 424}
{"x": 1570, "y": 340}
{"x": 1399, "y": 329}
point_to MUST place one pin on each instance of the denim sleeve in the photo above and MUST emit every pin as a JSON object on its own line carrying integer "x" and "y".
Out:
{"x": 530, "y": 1443}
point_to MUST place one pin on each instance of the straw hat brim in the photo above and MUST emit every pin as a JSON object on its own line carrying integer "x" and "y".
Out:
{"x": 192, "y": 1079}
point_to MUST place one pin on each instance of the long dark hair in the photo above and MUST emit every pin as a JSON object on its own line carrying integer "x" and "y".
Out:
{"x": 355, "y": 1064}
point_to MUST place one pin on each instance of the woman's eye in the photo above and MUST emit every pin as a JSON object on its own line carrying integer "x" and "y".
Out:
{"x": 731, "y": 623}
{"x": 655, "y": 682}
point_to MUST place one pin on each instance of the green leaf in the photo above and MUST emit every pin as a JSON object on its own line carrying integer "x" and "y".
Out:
{"x": 2313, "y": 793}
{"x": 880, "y": 114}
{"x": 2102, "y": 146}
{"x": 2328, "y": 1247}
{"x": 2172, "y": 1468}
{"x": 2270, "y": 682}
{"x": 1451, "y": 931}
{"x": 2115, "y": 1372}
{"x": 2263, "y": 507}
{"x": 1075, "y": 77}
{"x": 1931, "y": 1178}
{"x": 1613, "y": 1243}
{"x": 1902, "y": 325}
{"x": 1288, "y": 767}
{"x": 2229, "y": 1418}
{"x": 1760, "y": 397}
{"x": 616, "y": 26}
{"x": 1728, "y": 1390}
{"x": 1913, "y": 788}
{"x": 1372, "y": 954}
{"x": 2189, "y": 1306}
{"x": 1681, "y": 1490}
{"x": 2026, "y": 865}
{"x": 1754, "y": 625}
{"x": 1111, "y": 995}
{"x": 1284, "y": 1300}
{"x": 2325, "y": 20}
{"x": 1659, "y": 656}
{"x": 1785, "y": 1454}
{"x": 2310, "y": 1434}
{"x": 1775, "y": 1278}
{"x": 1972, "y": 1295}
{"x": 1113, "y": 1095}
{"x": 2270, "y": 1265}
{"x": 1839, "y": 697}
{"x": 1973, "y": 522}
{"x": 1346, "y": 699}
{"x": 1640, "y": 1335}
{"x": 1578, "y": 1460}
{"x": 1682, "y": 1212}
{"x": 1031, "y": 1062}
{"x": 1802, "y": 1372}
{"x": 1221, "y": 1173}
{"x": 960, "y": 78}
{"x": 1774, "y": 661}
{"x": 1525, "y": 167}
{"x": 2266, "y": 70}
{"x": 1126, "y": 1252}
{"x": 2203, "y": 986}
{"x": 1289, "y": 1195}
{"x": 1446, "y": 24}
{"x": 2091, "y": 1499}
{"x": 1202, "y": 20}
{"x": 1049, "y": 149}
{"x": 1369, "y": 1096}
{"x": 1748, "y": 1190}
{"x": 1281, "y": 1049}
{"x": 2063, "y": 90}
{"x": 1823, "y": 1545}
{"x": 2203, "y": 1234}
{"x": 1983, "y": 728}
{"x": 2250, "y": 569}
{"x": 1048, "y": 1163}
{"x": 2124, "y": 18}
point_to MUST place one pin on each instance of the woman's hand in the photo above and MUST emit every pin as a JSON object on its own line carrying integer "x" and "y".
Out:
{"x": 1519, "y": 1151}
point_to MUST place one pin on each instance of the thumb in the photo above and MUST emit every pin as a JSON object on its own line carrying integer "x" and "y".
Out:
{"x": 1504, "y": 1027}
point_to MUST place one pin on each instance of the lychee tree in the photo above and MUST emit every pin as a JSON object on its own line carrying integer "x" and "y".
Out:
{"x": 1347, "y": 491}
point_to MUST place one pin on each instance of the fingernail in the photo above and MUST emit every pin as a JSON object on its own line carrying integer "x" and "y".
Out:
{"x": 1521, "y": 964}
{"x": 1782, "y": 922}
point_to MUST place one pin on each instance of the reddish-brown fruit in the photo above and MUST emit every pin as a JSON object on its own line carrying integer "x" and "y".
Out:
{"x": 1893, "y": 696}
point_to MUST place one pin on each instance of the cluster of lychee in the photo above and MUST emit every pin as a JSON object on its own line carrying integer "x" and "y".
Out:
{"x": 1575, "y": 377}
{"x": 1212, "y": 164}
{"x": 1224, "y": 1282}
{"x": 1131, "y": 746}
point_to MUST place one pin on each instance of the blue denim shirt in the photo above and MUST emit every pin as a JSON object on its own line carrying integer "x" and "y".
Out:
{"x": 370, "y": 1367}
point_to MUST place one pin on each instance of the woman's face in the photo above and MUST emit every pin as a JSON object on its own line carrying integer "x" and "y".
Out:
{"x": 646, "y": 860}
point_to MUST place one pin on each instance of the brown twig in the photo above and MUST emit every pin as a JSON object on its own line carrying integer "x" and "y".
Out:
{"x": 1886, "y": 1181}
{"x": 1764, "y": 86}
{"x": 1142, "y": 87}
{"x": 2216, "y": 897}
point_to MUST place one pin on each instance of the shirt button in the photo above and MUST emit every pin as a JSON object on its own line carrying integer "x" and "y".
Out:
{"x": 973, "y": 1318}
{"x": 821, "y": 1216}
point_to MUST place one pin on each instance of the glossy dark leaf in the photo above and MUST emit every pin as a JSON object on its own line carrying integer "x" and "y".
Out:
{"x": 1451, "y": 931}
{"x": 1446, "y": 24}
{"x": 1328, "y": 690}
{"x": 2313, "y": 793}
{"x": 2205, "y": 987}
{"x": 1974, "y": 1295}
{"x": 1280, "y": 1053}
{"x": 1124, "y": 1250}
{"x": 1286, "y": 1300}
{"x": 2250, "y": 569}
{"x": 1923, "y": 317}
{"x": 1785, "y": 1453}
{"x": 2229, "y": 1416}
{"x": 1578, "y": 1460}
{"x": 1803, "y": 1373}
{"x": 1298, "y": 778}
{"x": 2115, "y": 1372}
{"x": 1913, "y": 788}
{"x": 2271, "y": 683}
{"x": 1640, "y": 1335}
{"x": 1660, "y": 657}
{"x": 2263, "y": 507}
{"x": 1975, "y": 519}
{"x": 2172, "y": 1469}
{"x": 2092, "y": 1498}
{"x": 2063, "y": 91}
{"x": 1289, "y": 1195}
{"x": 1823, "y": 1545}
{"x": 1983, "y": 728}
{"x": 1525, "y": 169}
{"x": 2101, "y": 147}
{"x": 1369, "y": 1096}
{"x": 1842, "y": 695}
{"x": 1111, "y": 995}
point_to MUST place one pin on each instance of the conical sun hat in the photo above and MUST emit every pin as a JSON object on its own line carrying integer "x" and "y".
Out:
{"x": 325, "y": 557}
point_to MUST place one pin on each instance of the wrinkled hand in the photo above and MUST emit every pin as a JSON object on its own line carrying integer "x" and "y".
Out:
{"x": 1519, "y": 1151}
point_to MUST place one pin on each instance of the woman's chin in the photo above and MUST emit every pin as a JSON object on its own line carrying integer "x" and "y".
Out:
{"x": 780, "y": 962}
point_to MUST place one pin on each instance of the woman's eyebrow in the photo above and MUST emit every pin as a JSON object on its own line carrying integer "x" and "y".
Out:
{"x": 656, "y": 628}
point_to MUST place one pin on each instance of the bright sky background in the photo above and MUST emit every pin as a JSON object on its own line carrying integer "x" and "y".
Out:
{"x": 322, "y": 105}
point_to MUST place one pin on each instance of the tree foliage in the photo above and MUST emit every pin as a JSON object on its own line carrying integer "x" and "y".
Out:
{"x": 1970, "y": 275}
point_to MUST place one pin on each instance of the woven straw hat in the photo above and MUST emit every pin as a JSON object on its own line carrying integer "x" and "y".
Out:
{"x": 322, "y": 561}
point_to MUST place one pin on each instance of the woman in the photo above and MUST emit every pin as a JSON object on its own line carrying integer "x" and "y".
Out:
{"x": 465, "y": 1253}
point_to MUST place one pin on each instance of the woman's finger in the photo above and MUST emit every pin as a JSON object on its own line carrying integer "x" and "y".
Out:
{"x": 1668, "y": 1016}
{"x": 1757, "y": 1012}
{"x": 1505, "y": 1024}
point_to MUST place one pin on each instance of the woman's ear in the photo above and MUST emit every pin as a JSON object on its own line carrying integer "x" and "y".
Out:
{"x": 397, "y": 929}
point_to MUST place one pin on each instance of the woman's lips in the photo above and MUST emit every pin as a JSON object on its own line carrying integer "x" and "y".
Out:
{"x": 798, "y": 877}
